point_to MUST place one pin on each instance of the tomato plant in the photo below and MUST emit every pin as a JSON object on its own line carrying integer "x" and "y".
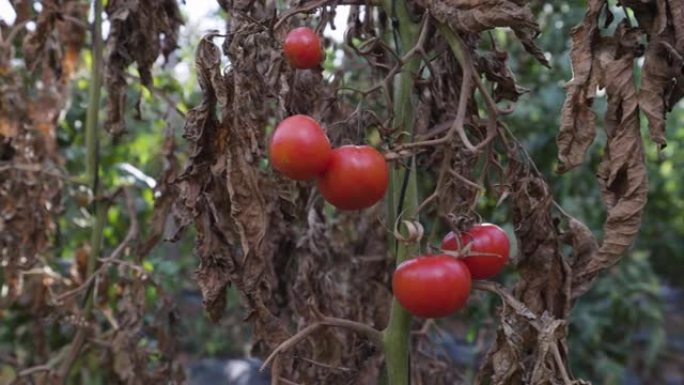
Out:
{"x": 303, "y": 48}
{"x": 299, "y": 148}
{"x": 485, "y": 246}
{"x": 432, "y": 286}
{"x": 356, "y": 178}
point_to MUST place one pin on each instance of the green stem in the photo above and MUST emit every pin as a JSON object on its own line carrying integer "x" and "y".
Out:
{"x": 403, "y": 194}
{"x": 99, "y": 209}
{"x": 92, "y": 147}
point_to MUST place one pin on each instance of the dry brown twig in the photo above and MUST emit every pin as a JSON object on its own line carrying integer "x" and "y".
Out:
{"x": 371, "y": 333}
{"x": 130, "y": 237}
{"x": 310, "y": 6}
{"x": 469, "y": 74}
{"x": 507, "y": 299}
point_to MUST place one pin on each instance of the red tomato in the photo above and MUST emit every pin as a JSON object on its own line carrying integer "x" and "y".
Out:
{"x": 485, "y": 238}
{"x": 356, "y": 178}
{"x": 432, "y": 286}
{"x": 303, "y": 48}
{"x": 299, "y": 148}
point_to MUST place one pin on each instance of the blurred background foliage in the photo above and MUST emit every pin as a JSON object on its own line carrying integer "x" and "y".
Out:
{"x": 628, "y": 326}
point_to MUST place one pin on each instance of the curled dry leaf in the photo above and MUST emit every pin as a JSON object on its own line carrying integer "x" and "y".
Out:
{"x": 476, "y": 16}
{"x": 222, "y": 189}
{"x": 622, "y": 173}
{"x": 582, "y": 241}
{"x": 578, "y": 126}
{"x": 662, "y": 70}
{"x": 139, "y": 32}
{"x": 526, "y": 341}
{"x": 195, "y": 182}
{"x": 657, "y": 79}
{"x": 495, "y": 67}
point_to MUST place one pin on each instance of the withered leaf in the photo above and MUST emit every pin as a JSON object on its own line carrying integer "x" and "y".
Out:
{"x": 622, "y": 172}
{"x": 139, "y": 32}
{"x": 481, "y": 15}
{"x": 494, "y": 66}
{"x": 656, "y": 79}
{"x": 578, "y": 127}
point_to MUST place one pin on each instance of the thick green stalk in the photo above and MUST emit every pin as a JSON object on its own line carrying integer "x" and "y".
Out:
{"x": 99, "y": 208}
{"x": 93, "y": 144}
{"x": 403, "y": 195}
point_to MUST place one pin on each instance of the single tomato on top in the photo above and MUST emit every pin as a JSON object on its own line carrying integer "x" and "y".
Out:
{"x": 303, "y": 48}
{"x": 432, "y": 286}
{"x": 299, "y": 148}
{"x": 356, "y": 178}
{"x": 486, "y": 249}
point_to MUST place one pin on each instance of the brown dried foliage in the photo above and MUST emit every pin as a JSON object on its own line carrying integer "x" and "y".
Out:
{"x": 267, "y": 235}
{"x": 31, "y": 175}
{"x": 33, "y": 94}
{"x": 140, "y": 31}
{"x": 475, "y": 16}
{"x": 530, "y": 347}
{"x": 294, "y": 263}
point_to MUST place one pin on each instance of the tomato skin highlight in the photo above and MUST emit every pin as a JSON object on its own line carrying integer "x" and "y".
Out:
{"x": 432, "y": 286}
{"x": 299, "y": 148}
{"x": 356, "y": 178}
{"x": 302, "y": 48}
{"x": 483, "y": 238}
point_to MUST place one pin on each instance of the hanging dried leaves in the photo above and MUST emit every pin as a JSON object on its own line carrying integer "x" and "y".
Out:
{"x": 533, "y": 326}
{"x": 35, "y": 89}
{"x": 578, "y": 126}
{"x": 475, "y": 16}
{"x": 31, "y": 177}
{"x": 140, "y": 31}
{"x": 662, "y": 73}
{"x": 622, "y": 172}
{"x": 530, "y": 352}
{"x": 608, "y": 62}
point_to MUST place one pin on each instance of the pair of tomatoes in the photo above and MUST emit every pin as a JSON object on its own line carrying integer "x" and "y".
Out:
{"x": 434, "y": 286}
{"x": 349, "y": 177}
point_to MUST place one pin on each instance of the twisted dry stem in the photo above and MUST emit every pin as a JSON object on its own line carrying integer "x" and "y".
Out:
{"x": 371, "y": 333}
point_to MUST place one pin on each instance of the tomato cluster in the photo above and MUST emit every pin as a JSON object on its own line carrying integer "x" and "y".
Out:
{"x": 356, "y": 177}
{"x": 349, "y": 177}
{"x": 434, "y": 286}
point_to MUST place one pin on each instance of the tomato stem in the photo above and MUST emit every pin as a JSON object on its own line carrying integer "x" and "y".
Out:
{"x": 99, "y": 207}
{"x": 403, "y": 190}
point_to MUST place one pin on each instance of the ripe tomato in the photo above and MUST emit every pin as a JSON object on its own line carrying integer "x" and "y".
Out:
{"x": 356, "y": 178}
{"x": 484, "y": 238}
{"x": 299, "y": 148}
{"x": 432, "y": 286}
{"x": 303, "y": 48}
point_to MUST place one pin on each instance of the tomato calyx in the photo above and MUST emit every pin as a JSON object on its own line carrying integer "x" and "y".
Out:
{"x": 484, "y": 248}
{"x": 465, "y": 252}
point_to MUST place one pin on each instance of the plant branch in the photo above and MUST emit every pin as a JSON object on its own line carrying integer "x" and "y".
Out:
{"x": 92, "y": 167}
{"x": 131, "y": 235}
{"x": 508, "y": 299}
{"x": 411, "y": 38}
{"x": 371, "y": 333}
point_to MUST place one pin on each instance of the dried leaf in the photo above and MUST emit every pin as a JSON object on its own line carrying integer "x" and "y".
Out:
{"x": 582, "y": 241}
{"x": 656, "y": 80}
{"x": 478, "y": 15}
{"x": 495, "y": 68}
{"x": 578, "y": 128}
{"x": 622, "y": 172}
{"x": 140, "y": 31}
